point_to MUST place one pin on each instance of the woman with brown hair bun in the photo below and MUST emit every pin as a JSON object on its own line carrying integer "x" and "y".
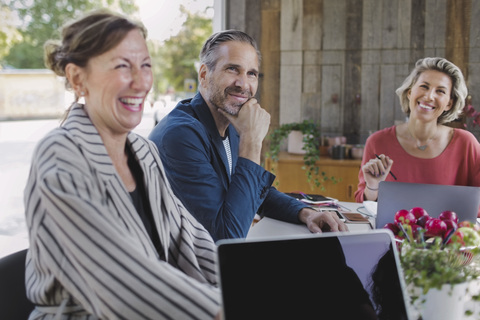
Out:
{"x": 108, "y": 238}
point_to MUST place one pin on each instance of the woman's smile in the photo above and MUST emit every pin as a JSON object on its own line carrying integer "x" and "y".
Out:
{"x": 425, "y": 106}
{"x": 133, "y": 104}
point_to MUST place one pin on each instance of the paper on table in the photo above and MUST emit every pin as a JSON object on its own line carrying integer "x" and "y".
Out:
{"x": 312, "y": 198}
{"x": 371, "y": 207}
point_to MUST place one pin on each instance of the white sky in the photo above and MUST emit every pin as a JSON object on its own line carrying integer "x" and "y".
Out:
{"x": 162, "y": 17}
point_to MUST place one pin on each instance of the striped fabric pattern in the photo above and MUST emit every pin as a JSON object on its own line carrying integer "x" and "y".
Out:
{"x": 88, "y": 243}
{"x": 228, "y": 150}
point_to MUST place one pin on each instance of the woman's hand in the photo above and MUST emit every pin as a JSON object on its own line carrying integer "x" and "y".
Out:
{"x": 375, "y": 171}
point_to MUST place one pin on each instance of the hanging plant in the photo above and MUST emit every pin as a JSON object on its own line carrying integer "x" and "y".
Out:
{"x": 311, "y": 137}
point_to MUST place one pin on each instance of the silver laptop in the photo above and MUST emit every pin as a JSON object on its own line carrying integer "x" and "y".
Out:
{"x": 394, "y": 196}
{"x": 328, "y": 276}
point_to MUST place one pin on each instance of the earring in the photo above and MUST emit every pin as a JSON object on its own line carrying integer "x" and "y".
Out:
{"x": 82, "y": 94}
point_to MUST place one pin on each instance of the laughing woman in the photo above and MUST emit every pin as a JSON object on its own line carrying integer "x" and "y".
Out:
{"x": 108, "y": 238}
{"x": 424, "y": 149}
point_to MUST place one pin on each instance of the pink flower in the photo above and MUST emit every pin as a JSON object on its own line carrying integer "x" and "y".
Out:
{"x": 470, "y": 112}
{"x": 476, "y": 119}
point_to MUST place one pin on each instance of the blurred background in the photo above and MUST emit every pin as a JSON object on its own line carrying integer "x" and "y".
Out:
{"x": 334, "y": 62}
{"x": 32, "y": 98}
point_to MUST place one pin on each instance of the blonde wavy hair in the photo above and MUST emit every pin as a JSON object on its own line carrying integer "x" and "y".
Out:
{"x": 459, "y": 88}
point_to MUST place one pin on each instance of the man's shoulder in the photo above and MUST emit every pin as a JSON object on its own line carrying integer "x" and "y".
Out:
{"x": 180, "y": 123}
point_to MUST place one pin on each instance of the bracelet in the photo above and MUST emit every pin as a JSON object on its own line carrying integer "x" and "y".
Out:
{"x": 373, "y": 189}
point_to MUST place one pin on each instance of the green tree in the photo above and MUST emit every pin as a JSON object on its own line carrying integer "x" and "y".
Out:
{"x": 8, "y": 32}
{"x": 174, "y": 61}
{"x": 43, "y": 20}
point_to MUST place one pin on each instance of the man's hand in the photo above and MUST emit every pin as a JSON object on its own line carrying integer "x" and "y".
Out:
{"x": 318, "y": 221}
{"x": 251, "y": 123}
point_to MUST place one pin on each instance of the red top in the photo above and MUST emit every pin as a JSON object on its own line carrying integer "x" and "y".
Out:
{"x": 458, "y": 164}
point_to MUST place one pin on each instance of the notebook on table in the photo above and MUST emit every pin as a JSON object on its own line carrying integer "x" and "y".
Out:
{"x": 434, "y": 198}
{"x": 327, "y": 276}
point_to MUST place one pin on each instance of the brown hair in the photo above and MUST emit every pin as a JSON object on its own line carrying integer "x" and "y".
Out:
{"x": 90, "y": 36}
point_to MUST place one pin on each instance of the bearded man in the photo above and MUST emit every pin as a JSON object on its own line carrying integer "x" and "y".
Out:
{"x": 211, "y": 145}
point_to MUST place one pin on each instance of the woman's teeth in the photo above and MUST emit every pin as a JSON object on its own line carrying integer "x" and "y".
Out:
{"x": 132, "y": 104}
{"x": 131, "y": 101}
{"x": 423, "y": 106}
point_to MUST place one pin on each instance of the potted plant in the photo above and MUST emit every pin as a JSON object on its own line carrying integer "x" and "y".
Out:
{"x": 439, "y": 258}
{"x": 311, "y": 138}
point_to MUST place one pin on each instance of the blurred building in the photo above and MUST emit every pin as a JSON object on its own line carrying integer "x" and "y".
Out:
{"x": 31, "y": 93}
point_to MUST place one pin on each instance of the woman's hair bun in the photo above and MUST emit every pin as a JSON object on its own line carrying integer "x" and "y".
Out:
{"x": 54, "y": 58}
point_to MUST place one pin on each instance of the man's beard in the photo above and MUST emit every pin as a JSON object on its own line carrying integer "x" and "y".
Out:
{"x": 219, "y": 99}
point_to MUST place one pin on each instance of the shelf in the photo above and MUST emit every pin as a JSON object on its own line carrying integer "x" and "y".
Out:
{"x": 291, "y": 177}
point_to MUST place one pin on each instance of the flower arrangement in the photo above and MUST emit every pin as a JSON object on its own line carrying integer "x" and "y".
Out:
{"x": 435, "y": 251}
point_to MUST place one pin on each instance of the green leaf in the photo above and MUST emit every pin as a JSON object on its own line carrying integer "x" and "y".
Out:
{"x": 311, "y": 137}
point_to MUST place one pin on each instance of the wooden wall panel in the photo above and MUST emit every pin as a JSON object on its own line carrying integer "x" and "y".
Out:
{"x": 236, "y": 14}
{"x": 312, "y": 86}
{"x": 353, "y": 70}
{"x": 390, "y": 27}
{"x": 473, "y": 71}
{"x": 435, "y": 28}
{"x": 474, "y": 90}
{"x": 402, "y": 70}
{"x": 334, "y": 25}
{"x": 387, "y": 96}
{"x": 332, "y": 109}
{"x": 312, "y": 24}
{"x": 458, "y": 33}
{"x": 270, "y": 49}
{"x": 435, "y": 24}
{"x": 311, "y": 78}
{"x": 474, "y": 56}
{"x": 316, "y": 50}
{"x": 417, "y": 31}
{"x": 291, "y": 61}
{"x": 473, "y": 80}
{"x": 404, "y": 10}
{"x": 371, "y": 24}
{"x": 312, "y": 106}
{"x": 291, "y": 27}
{"x": 475, "y": 31}
{"x": 370, "y": 113}
{"x": 290, "y": 93}
{"x": 252, "y": 26}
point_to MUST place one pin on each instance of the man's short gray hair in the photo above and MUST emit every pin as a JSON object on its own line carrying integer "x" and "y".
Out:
{"x": 208, "y": 54}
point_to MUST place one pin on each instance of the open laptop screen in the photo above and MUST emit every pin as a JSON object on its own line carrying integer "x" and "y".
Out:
{"x": 330, "y": 276}
{"x": 434, "y": 198}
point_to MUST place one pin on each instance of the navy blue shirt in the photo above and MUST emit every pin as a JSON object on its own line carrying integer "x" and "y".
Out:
{"x": 196, "y": 163}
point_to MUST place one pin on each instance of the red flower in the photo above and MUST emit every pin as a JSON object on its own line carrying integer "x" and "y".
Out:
{"x": 470, "y": 112}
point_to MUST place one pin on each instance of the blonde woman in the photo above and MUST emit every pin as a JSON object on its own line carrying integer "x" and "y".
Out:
{"x": 423, "y": 149}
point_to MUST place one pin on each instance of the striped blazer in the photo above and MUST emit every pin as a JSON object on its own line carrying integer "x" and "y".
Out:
{"x": 89, "y": 247}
